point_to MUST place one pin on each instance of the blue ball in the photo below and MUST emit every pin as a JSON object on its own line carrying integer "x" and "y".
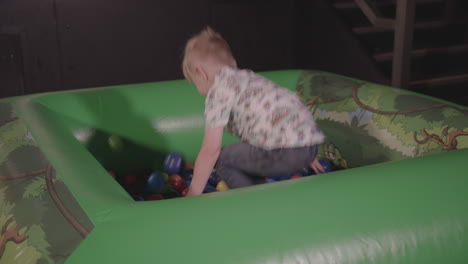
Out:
{"x": 188, "y": 183}
{"x": 138, "y": 198}
{"x": 187, "y": 175}
{"x": 270, "y": 180}
{"x": 326, "y": 165}
{"x": 285, "y": 177}
{"x": 209, "y": 189}
{"x": 306, "y": 171}
{"x": 214, "y": 179}
{"x": 173, "y": 163}
{"x": 155, "y": 182}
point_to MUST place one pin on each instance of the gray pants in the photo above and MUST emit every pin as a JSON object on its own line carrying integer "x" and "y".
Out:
{"x": 242, "y": 164}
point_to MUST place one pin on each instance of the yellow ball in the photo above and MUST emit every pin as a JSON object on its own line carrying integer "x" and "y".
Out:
{"x": 222, "y": 186}
{"x": 115, "y": 143}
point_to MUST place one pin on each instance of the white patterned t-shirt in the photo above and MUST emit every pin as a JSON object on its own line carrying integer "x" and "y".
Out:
{"x": 259, "y": 111}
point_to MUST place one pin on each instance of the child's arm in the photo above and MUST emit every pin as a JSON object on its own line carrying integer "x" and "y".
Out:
{"x": 207, "y": 157}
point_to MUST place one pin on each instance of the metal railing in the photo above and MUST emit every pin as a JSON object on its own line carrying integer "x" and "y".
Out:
{"x": 403, "y": 27}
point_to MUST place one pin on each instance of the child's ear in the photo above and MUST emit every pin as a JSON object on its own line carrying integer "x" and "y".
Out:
{"x": 201, "y": 72}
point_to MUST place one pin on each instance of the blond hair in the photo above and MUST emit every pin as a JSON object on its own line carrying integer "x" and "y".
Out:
{"x": 207, "y": 44}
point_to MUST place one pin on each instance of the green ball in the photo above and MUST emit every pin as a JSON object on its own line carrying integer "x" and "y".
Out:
{"x": 167, "y": 188}
{"x": 115, "y": 143}
{"x": 165, "y": 176}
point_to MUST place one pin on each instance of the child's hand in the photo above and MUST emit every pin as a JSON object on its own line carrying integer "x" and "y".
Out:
{"x": 191, "y": 192}
{"x": 317, "y": 167}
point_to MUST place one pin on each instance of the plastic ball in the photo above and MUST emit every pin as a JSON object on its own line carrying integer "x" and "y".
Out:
{"x": 170, "y": 193}
{"x": 130, "y": 178}
{"x": 222, "y": 186}
{"x": 214, "y": 179}
{"x": 187, "y": 175}
{"x": 155, "y": 182}
{"x": 173, "y": 163}
{"x": 138, "y": 198}
{"x": 269, "y": 180}
{"x": 165, "y": 176}
{"x": 154, "y": 197}
{"x": 284, "y": 177}
{"x": 112, "y": 174}
{"x": 306, "y": 171}
{"x": 167, "y": 188}
{"x": 326, "y": 165}
{"x": 295, "y": 176}
{"x": 209, "y": 189}
{"x": 115, "y": 143}
{"x": 177, "y": 182}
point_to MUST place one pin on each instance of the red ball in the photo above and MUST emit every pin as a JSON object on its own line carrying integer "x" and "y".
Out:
{"x": 184, "y": 192}
{"x": 112, "y": 174}
{"x": 177, "y": 182}
{"x": 295, "y": 176}
{"x": 189, "y": 167}
{"x": 154, "y": 197}
{"x": 130, "y": 178}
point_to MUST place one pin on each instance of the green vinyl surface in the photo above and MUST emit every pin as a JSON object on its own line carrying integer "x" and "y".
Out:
{"x": 404, "y": 211}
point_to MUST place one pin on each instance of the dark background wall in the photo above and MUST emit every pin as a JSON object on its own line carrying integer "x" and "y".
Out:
{"x": 28, "y": 47}
{"x": 51, "y": 45}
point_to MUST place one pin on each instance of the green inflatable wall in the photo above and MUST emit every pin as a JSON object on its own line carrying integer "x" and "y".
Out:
{"x": 400, "y": 198}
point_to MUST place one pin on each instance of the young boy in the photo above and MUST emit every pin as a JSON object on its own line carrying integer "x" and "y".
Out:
{"x": 277, "y": 132}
